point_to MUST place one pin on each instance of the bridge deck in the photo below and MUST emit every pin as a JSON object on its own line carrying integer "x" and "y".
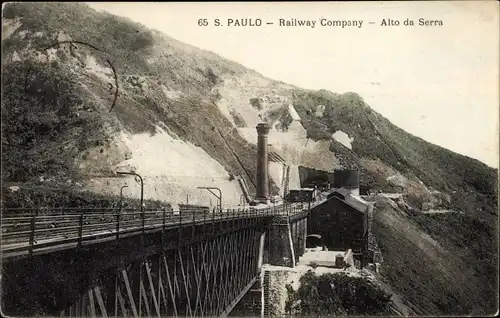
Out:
{"x": 38, "y": 234}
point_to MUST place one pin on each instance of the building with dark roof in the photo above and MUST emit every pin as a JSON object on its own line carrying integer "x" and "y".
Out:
{"x": 342, "y": 221}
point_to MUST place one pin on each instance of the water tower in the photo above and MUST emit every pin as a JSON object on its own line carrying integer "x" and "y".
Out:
{"x": 347, "y": 179}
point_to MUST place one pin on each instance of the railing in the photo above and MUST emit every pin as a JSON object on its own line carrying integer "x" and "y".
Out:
{"x": 31, "y": 229}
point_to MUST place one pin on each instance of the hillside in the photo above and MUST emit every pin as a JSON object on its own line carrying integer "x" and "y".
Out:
{"x": 185, "y": 117}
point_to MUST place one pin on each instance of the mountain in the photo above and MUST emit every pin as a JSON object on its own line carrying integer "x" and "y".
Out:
{"x": 114, "y": 95}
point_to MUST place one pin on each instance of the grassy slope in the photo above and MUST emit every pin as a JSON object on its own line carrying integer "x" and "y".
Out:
{"x": 46, "y": 196}
{"x": 41, "y": 138}
{"x": 133, "y": 50}
{"x": 375, "y": 137}
{"x": 432, "y": 278}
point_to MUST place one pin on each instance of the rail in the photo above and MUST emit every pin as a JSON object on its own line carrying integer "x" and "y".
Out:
{"x": 28, "y": 230}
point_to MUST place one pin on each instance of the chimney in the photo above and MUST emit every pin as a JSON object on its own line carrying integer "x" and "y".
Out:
{"x": 262, "y": 163}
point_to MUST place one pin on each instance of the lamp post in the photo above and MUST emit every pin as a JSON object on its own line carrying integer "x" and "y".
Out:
{"x": 142, "y": 186}
{"x": 121, "y": 196}
{"x": 219, "y": 197}
{"x": 244, "y": 200}
{"x": 142, "y": 210}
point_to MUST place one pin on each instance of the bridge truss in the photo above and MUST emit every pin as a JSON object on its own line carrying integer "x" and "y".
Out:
{"x": 204, "y": 278}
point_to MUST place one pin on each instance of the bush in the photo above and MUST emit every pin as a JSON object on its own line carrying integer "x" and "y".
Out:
{"x": 66, "y": 197}
{"x": 125, "y": 42}
{"x": 336, "y": 294}
{"x": 41, "y": 131}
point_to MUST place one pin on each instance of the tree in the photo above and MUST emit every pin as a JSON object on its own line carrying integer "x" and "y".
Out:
{"x": 336, "y": 295}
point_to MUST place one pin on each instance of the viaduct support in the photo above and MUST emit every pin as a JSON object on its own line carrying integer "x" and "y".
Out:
{"x": 299, "y": 235}
{"x": 281, "y": 251}
{"x": 286, "y": 241}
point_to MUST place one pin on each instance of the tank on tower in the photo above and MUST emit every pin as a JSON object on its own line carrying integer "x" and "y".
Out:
{"x": 347, "y": 179}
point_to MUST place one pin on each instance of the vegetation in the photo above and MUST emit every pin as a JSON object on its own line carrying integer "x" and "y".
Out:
{"x": 440, "y": 276}
{"x": 59, "y": 196}
{"x": 473, "y": 240}
{"x": 124, "y": 41}
{"x": 376, "y": 138}
{"x": 48, "y": 140}
{"x": 337, "y": 295}
{"x": 238, "y": 120}
{"x": 41, "y": 129}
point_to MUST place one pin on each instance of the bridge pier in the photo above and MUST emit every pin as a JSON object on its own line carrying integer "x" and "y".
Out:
{"x": 295, "y": 236}
{"x": 299, "y": 234}
{"x": 286, "y": 241}
{"x": 280, "y": 245}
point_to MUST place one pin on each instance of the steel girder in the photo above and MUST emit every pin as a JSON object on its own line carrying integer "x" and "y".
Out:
{"x": 202, "y": 278}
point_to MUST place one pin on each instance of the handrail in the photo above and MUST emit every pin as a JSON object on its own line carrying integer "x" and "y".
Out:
{"x": 34, "y": 229}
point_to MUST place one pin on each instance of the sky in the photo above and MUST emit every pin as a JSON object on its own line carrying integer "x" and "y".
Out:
{"x": 440, "y": 83}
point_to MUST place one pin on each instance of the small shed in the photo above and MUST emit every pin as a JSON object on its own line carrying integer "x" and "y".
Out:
{"x": 314, "y": 240}
{"x": 339, "y": 260}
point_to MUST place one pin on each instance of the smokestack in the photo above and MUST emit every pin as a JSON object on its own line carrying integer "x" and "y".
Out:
{"x": 262, "y": 163}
